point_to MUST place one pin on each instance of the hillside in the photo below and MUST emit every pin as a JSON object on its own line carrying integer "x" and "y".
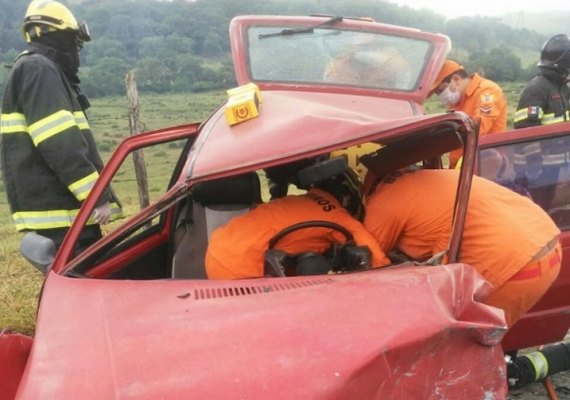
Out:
{"x": 183, "y": 46}
{"x": 546, "y": 23}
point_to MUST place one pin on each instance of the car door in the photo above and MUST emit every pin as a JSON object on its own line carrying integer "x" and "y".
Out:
{"x": 535, "y": 162}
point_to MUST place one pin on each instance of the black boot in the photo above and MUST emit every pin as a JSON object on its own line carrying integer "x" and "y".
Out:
{"x": 537, "y": 365}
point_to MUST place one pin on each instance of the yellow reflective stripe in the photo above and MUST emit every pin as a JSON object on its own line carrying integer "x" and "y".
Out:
{"x": 52, "y": 125}
{"x": 82, "y": 187}
{"x": 80, "y": 120}
{"x": 522, "y": 114}
{"x": 549, "y": 119}
{"x": 32, "y": 220}
{"x": 540, "y": 364}
{"x": 554, "y": 159}
{"x": 13, "y": 123}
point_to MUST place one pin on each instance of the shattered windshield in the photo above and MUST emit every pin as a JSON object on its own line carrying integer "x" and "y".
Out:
{"x": 332, "y": 56}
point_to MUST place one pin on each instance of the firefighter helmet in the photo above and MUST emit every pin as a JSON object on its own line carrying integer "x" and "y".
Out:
{"x": 555, "y": 53}
{"x": 48, "y": 15}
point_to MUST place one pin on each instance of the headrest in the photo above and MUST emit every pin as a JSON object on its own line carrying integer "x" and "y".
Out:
{"x": 321, "y": 171}
{"x": 238, "y": 189}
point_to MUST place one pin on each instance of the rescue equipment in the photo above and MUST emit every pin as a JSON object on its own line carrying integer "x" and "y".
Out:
{"x": 243, "y": 103}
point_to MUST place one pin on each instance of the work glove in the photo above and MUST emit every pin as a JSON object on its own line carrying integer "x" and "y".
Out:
{"x": 102, "y": 214}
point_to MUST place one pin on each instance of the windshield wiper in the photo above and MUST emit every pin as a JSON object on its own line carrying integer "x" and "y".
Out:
{"x": 293, "y": 31}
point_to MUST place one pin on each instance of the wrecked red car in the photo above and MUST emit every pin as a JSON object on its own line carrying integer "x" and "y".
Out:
{"x": 134, "y": 315}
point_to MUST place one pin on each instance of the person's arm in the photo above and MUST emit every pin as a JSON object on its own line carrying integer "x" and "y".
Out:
{"x": 364, "y": 238}
{"x": 492, "y": 111}
{"x": 530, "y": 107}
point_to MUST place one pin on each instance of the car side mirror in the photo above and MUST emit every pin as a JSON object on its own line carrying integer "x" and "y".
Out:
{"x": 38, "y": 250}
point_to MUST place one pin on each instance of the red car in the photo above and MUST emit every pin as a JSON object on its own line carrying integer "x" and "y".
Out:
{"x": 134, "y": 316}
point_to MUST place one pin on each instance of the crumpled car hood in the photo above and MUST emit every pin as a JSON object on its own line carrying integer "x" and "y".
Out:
{"x": 402, "y": 333}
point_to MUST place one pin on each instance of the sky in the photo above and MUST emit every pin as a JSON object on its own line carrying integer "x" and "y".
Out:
{"x": 457, "y": 8}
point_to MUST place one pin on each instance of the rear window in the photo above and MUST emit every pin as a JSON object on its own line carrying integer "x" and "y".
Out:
{"x": 333, "y": 56}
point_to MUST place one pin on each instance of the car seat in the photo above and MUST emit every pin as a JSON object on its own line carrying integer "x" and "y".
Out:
{"x": 210, "y": 205}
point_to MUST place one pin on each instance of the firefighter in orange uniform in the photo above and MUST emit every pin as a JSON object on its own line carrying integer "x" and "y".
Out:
{"x": 514, "y": 247}
{"x": 237, "y": 249}
{"x": 483, "y": 100}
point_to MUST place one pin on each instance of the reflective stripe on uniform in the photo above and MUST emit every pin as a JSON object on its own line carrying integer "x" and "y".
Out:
{"x": 522, "y": 114}
{"x": 82, "y": 187}
{"x": 44, "y": 219}
{"x": 540, "y": 364}
{"x": 80, "y": 120}
{"x": 530, "y": 150}
{"x": 549, "y": 119}
{"x": 32, "y": 220}
{"x": 13, "y": 123}
{"x": 52, "y": 125}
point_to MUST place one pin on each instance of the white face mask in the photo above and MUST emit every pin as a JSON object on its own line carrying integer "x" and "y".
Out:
{"x": 449, "y": 98}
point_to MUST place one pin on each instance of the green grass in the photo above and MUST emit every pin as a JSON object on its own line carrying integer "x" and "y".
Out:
{"x": 20, "y": 283}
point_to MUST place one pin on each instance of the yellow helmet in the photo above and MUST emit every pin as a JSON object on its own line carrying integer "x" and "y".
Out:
{"x": 49, "y": 15}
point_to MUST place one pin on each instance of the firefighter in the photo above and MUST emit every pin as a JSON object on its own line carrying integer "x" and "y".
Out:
{"x": 482, "y": 99}
{"x": 237, "y": 249}
{"x": 545, "y": 100}
{"x": 515, "y": 248}
{"x": 49, "y": 158}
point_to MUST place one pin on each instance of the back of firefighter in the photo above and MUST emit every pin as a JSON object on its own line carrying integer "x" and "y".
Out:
{"x": 49, "y": 158}
{"x": 482, "y": 99}
{"x": 236, "y": 250}
{"x": 507, "y": 238}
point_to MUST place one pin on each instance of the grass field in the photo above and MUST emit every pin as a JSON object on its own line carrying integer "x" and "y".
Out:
{"x": 20, "y": 283}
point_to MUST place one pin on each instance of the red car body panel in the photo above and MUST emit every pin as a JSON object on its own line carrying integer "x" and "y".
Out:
{"x": 269, "y": 338}
{"x": 14, "y": 351}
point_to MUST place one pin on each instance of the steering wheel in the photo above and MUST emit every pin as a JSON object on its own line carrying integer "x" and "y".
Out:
{"x": 310, "y": 224}
{"x": 307, "y": 263}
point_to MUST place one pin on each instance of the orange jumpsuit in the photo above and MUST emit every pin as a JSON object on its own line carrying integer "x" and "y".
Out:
{"x": 485, "y": 103}
{"x": 237, "y": 249}
{"x": 505, "y": 235}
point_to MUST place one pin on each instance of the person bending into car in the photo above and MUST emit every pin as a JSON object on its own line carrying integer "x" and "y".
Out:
{"x": 237, "y": 249}
{"x": 507, "y": 238}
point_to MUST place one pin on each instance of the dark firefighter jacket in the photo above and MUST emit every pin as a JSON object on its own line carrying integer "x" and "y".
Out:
{"x": 49, "y": 158}
{"x": 544, "y": 101}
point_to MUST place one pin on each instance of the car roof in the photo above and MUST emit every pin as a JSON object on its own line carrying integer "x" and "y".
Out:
{"x": 292, "y": 125}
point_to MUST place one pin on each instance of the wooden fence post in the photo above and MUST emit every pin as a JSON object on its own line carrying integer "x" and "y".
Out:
{"x": 136, "y": 128}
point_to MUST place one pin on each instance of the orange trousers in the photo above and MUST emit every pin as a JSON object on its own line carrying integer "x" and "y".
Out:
{"x": 524, "y": 289}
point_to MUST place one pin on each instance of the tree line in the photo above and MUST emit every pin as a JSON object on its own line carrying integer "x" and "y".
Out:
{"x": 183, "y": 46}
